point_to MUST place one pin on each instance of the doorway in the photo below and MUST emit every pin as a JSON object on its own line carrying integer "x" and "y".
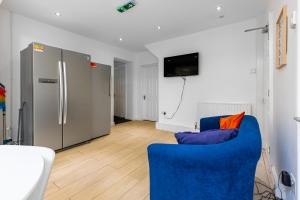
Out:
{"x": 267, "y": 118}
{"x": 262, "y": 73}
{"x": 149, "y": 92}
{"x": 120, "y": 92}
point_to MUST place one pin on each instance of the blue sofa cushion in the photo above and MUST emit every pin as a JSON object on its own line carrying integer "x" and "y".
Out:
{"x": 214, "y": 136}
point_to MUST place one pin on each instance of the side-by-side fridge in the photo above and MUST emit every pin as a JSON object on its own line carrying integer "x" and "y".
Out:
{"x": 65, "y": 102}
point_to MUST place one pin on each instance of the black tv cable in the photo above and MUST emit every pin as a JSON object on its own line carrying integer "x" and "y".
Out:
{"x": 180, "y": 101}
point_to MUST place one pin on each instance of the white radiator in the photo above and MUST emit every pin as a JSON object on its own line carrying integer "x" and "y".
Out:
{"x": 216, "y": 109}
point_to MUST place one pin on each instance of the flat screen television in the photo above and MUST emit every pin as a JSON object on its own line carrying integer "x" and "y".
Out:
{"x": 183, "y": 65}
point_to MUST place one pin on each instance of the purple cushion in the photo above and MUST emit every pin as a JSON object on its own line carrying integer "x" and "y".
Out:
{"x": 214, "y": 136}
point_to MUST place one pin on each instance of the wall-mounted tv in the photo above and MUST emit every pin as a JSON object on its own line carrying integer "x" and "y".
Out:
{"x": 183, "y": 65}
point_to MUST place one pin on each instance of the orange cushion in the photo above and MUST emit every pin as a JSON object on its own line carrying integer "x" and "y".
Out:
{"x": 231, "y": 122}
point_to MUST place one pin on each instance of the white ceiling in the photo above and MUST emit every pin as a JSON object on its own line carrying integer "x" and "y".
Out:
{"x": 99, "y": 19}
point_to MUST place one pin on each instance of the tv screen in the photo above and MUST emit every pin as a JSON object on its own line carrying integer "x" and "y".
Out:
{"x": 183, "y": 65}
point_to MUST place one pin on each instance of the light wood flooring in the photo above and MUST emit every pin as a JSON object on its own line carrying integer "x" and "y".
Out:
{"x": 114, "y": 167}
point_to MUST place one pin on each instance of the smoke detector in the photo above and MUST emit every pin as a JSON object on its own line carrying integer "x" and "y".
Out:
{"x": 125, "y": 7}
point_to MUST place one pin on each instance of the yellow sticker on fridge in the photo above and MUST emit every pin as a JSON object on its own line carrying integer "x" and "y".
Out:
{"x": 38, "y": 47}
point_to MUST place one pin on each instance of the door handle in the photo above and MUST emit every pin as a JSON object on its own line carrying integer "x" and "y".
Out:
{"x": 297, "y": 119}
{"x": 144, "y": 97}
{"x": 65, "y": 93}
{"x": 60, "y": 105}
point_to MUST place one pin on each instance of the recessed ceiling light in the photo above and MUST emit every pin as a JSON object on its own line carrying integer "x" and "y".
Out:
{"x": 219, "y": 8}
{"x": 121, "y": 39}
{"x": 57, "y": 14}
{"x": 158, "y": 27}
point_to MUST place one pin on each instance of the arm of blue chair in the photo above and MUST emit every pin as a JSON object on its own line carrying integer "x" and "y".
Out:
{"x": 210, "y": 123}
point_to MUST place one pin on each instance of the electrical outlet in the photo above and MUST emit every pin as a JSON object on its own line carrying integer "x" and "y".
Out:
{"x": 283, "y": 192}
{"x": 294, "y": 20}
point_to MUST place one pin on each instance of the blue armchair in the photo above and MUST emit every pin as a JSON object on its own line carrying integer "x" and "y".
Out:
{"x": 223, "y": 171}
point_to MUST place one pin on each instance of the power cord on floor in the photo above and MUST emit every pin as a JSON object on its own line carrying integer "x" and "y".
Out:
{"x": 267, "y": 194}
{"x": 180, "y": 101}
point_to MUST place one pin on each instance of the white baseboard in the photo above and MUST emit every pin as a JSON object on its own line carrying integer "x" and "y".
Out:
{"x": 136, "y": 119}
{"x": 172, "y": 127}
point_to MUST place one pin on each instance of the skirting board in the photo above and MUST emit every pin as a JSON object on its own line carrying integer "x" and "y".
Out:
{"x": 172, "y": 128}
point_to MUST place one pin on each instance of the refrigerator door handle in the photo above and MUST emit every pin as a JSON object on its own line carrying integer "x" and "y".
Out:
{"x": 109, "y": 89}
{"x": 65, "y": 93}
{"x": 60, "y": 106}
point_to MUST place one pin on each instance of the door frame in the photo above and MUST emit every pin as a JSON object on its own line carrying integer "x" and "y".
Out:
{"x": 126, "y": 63}
{"x": 269, "y": 117}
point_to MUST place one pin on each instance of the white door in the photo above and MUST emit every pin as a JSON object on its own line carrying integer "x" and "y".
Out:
{"x": 119, "y": 90}
{"x": 149, "y": 92}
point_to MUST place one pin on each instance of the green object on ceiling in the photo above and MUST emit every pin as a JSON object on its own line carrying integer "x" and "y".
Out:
{"x": 125, "y": 7}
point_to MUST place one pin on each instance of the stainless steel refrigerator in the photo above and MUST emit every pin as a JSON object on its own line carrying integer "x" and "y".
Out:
{"x": 55, "y": 97}
{"x": 101, "y": 100}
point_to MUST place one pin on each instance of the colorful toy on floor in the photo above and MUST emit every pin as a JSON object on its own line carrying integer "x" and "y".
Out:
{"x": 3, "y": 109}
{"x": 2, "y": 97}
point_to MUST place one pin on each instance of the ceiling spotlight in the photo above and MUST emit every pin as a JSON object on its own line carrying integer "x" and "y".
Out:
{"x": 121, "y": 39}
{"x": 58, "y": 14}
{"x": 158, "y": 27}
{"x": 219, "y": 8}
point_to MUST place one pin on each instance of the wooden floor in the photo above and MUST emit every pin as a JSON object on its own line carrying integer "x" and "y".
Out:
{"x": 114, "y": 167}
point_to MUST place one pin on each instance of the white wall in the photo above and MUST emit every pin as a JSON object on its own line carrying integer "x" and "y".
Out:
{"x": 25, "y": 31}
{"x": 5, "y": 61}
{"x": 283, "y": 139}
{"x": 145, "y": 58}
{"x": 227, "y": 55}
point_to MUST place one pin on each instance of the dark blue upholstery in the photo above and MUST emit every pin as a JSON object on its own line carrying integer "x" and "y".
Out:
{"x": 223, "y": 171}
